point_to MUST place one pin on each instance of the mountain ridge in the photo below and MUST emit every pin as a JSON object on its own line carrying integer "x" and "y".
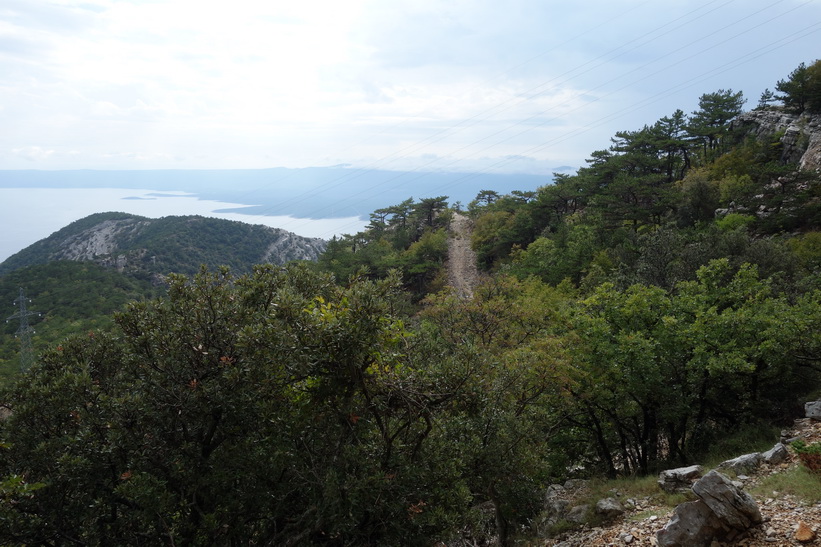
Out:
{"x": 179, "y": 244}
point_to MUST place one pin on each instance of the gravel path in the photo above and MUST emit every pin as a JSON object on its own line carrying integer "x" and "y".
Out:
{"x": 463, "y": 275}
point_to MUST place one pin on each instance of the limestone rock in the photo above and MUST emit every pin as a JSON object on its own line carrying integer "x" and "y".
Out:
{"x": 733, "y": 506}
{"x": 742, "y": 464}
{"x": 679, "y": 479}
{"x": 775, "y": 455}
{"x": 722, "y": 513}
{"x": 609, "y": 508}
{"x": 800, "y": 139}
{"x": 813, "y": 410}
{"x": 578, "y": 514}
{"x": 693, "y": 525}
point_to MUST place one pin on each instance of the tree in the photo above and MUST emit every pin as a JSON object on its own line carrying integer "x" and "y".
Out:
{"x": 709, "y": 124}
{"x": 766, "y": 99}
{"x": 814, "y": 87}
{"x": 795, "y": 89}
{"x": 276, "y": 408}
{"x": 653, "y": 370}
{"x": 505, "y": 411}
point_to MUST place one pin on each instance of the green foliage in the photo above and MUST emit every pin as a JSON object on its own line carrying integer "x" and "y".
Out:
{"x": 807, "y": 249}
{"x": 802, "y": 89}
{"x": 275, "y": 408}
{"x": 71, "y": 297}
{"x": 410, "y": 236}
{"x": 652, "y": 369}
{"x": 809, "y": 454}
{"x": 734, "y": 221}
{"x": 565, "y": 255}
{"x": 506, "y": 421}
{"x": 709, "y": 125}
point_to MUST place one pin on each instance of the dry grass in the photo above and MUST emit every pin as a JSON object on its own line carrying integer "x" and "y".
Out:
{"x": 797, "y": 481}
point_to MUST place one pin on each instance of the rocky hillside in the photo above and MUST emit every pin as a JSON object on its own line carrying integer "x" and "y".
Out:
{"x": 180, "y": 244}
{"x": 800, "y": 135}
{"x": 786, "y": 518}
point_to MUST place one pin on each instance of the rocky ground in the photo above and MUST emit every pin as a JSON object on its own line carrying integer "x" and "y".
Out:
{"x": 786, "y": 518}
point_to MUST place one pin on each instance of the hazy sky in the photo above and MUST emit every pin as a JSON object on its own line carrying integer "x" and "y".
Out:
{"x": 508, "y": 86}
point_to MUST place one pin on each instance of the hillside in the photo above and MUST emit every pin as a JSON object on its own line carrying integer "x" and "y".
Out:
{"x": 147, "y": 247}
{"x": 657, "y": 309}
{"x": 67, "y": 298}
{"x": 81, "y": 274}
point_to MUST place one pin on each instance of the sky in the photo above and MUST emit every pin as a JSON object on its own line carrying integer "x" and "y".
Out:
{"x": 517, "y": 86}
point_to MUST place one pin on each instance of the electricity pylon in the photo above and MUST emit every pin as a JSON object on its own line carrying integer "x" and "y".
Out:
{"x": 24, "y": 332}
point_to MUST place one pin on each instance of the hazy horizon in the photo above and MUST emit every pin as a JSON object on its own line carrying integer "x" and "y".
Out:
{"x": 312, "y": 202}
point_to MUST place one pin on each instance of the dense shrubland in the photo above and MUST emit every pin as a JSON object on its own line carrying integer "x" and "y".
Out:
{"x": 623, "y": 326}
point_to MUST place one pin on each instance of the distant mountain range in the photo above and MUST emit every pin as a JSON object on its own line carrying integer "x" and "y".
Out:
{"x": 148, "y": 247}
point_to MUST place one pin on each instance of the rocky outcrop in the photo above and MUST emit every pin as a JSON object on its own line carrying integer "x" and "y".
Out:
{"x": 799, "y": 135}
{"x": 609, "y": 508}
{"x": 812, "y": 410}
{"x": 290, "y": 246}
{"x": 680, "y": 479}
{"x": 102, "y": 239}
{"x": 776, "y": 455}
{"x": 722, "y": 513}
{"x": 742, "y": 465}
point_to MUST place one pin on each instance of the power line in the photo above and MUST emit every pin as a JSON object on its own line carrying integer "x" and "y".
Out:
{"x": 24, "y": 332}
{"x": 523, "y": 97}
{"x": 520, "y": 98}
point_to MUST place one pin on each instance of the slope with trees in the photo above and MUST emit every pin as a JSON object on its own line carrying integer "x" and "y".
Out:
{"x": 665, "y": 296}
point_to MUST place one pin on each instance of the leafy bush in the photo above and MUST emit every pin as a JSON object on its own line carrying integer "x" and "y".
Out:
{"x": 733, "y": 221}
{"x": 809, "y": 454}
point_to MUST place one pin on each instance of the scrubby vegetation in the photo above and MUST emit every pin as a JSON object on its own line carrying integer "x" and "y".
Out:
{"x": 625, "y": 325}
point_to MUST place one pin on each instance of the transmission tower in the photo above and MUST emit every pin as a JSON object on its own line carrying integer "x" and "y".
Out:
{"x": 24, "y": 332}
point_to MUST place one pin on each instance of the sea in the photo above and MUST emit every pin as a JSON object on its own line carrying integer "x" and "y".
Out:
{"x": 318, "y": 202}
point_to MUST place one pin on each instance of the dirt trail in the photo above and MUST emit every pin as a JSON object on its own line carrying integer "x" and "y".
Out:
{"x": 463, "y": 275}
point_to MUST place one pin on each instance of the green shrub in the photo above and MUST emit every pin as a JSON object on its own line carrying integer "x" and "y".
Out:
{"x": 733, "y": 221}
{"x": 809, "y": 454}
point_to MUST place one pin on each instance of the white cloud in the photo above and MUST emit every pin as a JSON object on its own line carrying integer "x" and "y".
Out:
{"x": 32, "y": 153}
{"x": 253, "y": 84}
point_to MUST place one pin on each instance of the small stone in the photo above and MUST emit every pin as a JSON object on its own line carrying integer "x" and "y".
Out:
{"x": 770, "y": 532}
{"x": 628, "y": 538}
{"x": 804, "y": 533}
{"x": 653, "y": 518}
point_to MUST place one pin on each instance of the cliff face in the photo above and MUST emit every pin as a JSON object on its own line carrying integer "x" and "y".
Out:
{"x": 800, "y": 134}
